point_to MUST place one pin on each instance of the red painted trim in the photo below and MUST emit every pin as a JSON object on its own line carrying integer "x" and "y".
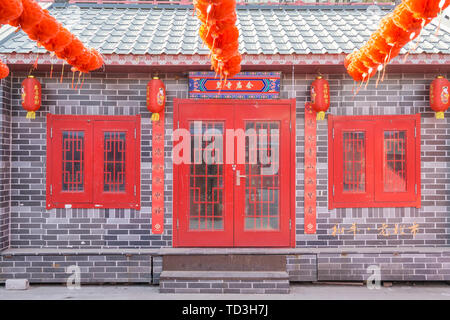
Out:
{"x": 176, "y": 197}
{"x": 49, "y": 173}
{"x": 418, "y": 162}
{"x": 293, "y": 174}
{"x": 330, "y": 163}
{"x": 413, "y": 172}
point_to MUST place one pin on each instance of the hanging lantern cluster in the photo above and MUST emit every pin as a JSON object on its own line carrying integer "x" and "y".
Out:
{"x": 9, "y": 11}
{"x": 31, "y": 96}
{"x": 4, "y": 70}
{"x": 219, "y": 32}
{"x": 395, "y": 30}
{"x": 440, "y": 96}
{"x": 320, "y": 97}
{"x": 156, "y": 97}
{"x": 41, "y": 27}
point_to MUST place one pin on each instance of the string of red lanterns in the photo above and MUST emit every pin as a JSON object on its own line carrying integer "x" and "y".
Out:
{"x": 9, "y": 10}
{"x": 395, "y": 30}
{"x": 4, "y": 70}
{"x": 41, "y": 27}
{"x": 219, "y": 32}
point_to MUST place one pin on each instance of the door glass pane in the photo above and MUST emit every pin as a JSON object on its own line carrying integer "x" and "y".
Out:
{"x": 114, "y": 162}
{"x": 206, "y": 181}
{"x": 394, "y": 161}
{"x": 262, "y": 188}
{"x": 354, "y": 161}
{"x": 73, "y": 161}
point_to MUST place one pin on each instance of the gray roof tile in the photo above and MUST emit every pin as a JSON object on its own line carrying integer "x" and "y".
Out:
{"x": 174, "y": 30}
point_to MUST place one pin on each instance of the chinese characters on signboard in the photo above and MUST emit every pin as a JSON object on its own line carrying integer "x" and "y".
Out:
{"x": 244, "y": 85}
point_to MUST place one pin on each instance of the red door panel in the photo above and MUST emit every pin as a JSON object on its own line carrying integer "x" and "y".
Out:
{"x": 72, "y": 141}
{"x": 261, "y": 183}
{"x": 204, "y": 199}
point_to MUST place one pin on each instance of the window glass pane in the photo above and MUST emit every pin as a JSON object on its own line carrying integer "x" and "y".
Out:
{"x": 262, "y": 189}
{"x": 73, "y": 161}
{"x": 114, "y": 162}
{"x": 206, "y": 186}
{"x": 394, "y": 174}
{"x": 354, "y": 161}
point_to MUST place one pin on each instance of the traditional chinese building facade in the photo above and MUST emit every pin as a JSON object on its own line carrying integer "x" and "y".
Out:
{"x": 76, "y": 181}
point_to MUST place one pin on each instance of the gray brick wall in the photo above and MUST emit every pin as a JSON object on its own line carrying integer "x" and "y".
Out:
{"x": 117, "y": 94}
{"x": 302, "y": 267}
{"x": 392, "y": 266}
{"x": 94, "y": 268}
{"x": 157, "y": 266}
{"x": 5, "y": 157}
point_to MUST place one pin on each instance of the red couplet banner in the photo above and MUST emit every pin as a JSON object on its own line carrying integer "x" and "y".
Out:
{"x": 158, "y": 175}
{"x": 310, "y": 170}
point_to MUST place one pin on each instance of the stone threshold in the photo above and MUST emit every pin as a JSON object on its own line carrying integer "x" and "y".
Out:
{"x": 212, "y": 251}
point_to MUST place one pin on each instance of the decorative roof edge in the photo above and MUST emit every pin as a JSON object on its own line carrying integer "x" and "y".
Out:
{"x": 181, "y": 5}
{"x": 248, "y": 59}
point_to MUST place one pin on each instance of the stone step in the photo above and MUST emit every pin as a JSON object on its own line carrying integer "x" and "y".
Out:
{"x": 241, "y": 282}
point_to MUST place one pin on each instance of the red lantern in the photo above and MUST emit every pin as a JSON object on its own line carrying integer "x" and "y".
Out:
{"x": 31, "y": 96}
{"x": 156, "y": 97}
{"x": 10, "y": 10}
{"x": 320, "y": 97}
{"x": 439, "y": 96}
{"x": 4, "y": 70}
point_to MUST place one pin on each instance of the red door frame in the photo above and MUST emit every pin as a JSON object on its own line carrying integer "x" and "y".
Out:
{"x": 178, "y": 201}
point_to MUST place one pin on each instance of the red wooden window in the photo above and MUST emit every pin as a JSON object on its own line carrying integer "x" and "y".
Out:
{"x": 374, "y": 161}
{"x": 93, "y": 161}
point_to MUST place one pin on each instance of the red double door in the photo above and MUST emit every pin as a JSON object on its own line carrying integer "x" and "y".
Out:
{"x": 234, "y": 173}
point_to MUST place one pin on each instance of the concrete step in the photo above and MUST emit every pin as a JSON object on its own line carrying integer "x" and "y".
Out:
{"x": 217, "y": 273}
{"x": 245, "y": 282}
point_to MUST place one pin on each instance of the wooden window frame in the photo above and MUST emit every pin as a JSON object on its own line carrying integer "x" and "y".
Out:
{"x": 92, "y": 195}
{"x": 374, "y": 196}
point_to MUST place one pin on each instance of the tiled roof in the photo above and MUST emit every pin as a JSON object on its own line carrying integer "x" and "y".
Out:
{"x": 266, "y": 30}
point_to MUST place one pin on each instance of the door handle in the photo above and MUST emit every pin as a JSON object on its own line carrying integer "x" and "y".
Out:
{"x": 238, "y": 177}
